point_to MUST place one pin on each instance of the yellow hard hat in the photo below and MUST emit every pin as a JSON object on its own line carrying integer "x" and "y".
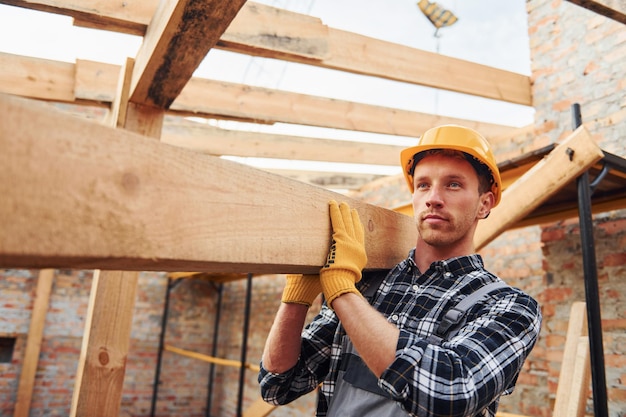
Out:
{"x": 457, "y": 138}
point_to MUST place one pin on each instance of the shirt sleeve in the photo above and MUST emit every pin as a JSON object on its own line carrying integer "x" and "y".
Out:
{"x": 312, "y": 367}
{"x": 472, "y": 368}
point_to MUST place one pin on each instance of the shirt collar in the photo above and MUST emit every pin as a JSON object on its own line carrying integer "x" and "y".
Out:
{"x": 449, "y": 268}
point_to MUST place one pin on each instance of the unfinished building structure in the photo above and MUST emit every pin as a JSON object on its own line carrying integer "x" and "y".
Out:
{"x": 88, "y": 206}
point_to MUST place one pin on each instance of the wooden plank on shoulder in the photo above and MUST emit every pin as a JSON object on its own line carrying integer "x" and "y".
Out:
{"x": 82, "y": 195}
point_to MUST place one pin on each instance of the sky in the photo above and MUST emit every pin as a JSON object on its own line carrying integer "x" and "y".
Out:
{"x": 489, "y": 32}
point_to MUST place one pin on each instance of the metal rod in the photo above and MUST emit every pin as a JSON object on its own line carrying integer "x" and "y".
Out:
{"x": 244, "y": 347}
{"x": 216, "y": 328}
{"x": 157, "y": 373}
{"x": 592, "y": 294}
{"x": 592, "y": 298}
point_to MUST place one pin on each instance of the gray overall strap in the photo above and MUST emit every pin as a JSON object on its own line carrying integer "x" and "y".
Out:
{"x": 455, "y": 314}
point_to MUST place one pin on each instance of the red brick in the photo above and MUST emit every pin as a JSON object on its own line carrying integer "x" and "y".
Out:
{"x": 614, "y": 259}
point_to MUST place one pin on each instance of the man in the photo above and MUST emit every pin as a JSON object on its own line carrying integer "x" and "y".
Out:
{"x": 374, "y": 344}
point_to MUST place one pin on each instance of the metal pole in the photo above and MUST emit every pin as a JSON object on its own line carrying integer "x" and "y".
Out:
{"x": 244, "y": 347}
{"x": 592, "y": 295}
{"x": 157, "y": 373}
{"x": 216, "y": 328}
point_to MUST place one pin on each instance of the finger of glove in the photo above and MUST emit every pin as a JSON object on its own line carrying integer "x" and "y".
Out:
{"x": 347, "y": 219}
{"x": 336, "y": 220}
{"x": 359, "y": 232}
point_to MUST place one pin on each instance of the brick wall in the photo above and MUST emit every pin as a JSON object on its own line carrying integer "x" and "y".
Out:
{"x": 191, "y": 322}
{"x": 577, "y": 56}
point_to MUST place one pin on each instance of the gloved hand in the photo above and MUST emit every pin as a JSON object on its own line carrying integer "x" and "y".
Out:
{"x": 301, "y": 289}
{"x": 346, "y": 257}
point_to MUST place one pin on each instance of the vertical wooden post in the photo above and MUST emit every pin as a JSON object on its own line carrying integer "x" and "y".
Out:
{"x": 574, "y": 378}
{"x": 33, "y": 343}
{"x": 102, "y": 363}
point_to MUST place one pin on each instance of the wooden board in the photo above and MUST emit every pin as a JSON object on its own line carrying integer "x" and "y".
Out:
{"x": 613, "y": 9}
{"x": 80, "y": 195}
{"x": 104, "y": 351}
{"x": 178, "y": 38}
{"x": 567, "y": 161}
{"x": 95, "y": 83}
{"x": 302, "y": 38}
{"x": 41, "y": 78}
{"x": 574, "y": 378}
{"x": 33, "y": 343}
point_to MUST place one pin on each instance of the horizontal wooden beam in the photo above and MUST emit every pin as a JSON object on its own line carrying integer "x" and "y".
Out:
{"x": 77, "y": 194}
{"x": 216, "y": 141}
{"x": 333, "y": 180}
{"x": 211, "y": 359}
{"x": 613, "y": 9}
{"x": 96, "y": 82}
{"x": 265, "y": 31}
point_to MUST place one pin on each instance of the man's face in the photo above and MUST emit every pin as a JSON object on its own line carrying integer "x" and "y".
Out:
{"x": 446, "y": 201}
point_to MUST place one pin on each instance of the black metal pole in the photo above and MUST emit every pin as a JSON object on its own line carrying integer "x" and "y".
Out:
{"x": 244, "y": 347}
{"x": 157, "y": 373}
{"x": 216, "y": 331}
{"x": 592, "y": 294}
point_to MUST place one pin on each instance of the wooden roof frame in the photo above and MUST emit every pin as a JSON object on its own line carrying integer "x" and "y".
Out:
{"x": 108, "y": 215}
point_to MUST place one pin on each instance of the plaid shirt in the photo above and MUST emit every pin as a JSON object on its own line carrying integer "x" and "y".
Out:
{"x": 465, "y": 376}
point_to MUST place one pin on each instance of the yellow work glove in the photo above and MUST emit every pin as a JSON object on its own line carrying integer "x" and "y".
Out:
{"x": 301, "y": 289}
{"x": 346, "y": 257}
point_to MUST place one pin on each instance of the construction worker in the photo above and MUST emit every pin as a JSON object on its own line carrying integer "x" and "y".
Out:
{"x": 389, "y": 344}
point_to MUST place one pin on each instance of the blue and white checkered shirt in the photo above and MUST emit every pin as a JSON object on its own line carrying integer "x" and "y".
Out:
{"x": 464, "y": 376}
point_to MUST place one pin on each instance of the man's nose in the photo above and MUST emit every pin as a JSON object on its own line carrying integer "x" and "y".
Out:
{"x": 434, "y": 199}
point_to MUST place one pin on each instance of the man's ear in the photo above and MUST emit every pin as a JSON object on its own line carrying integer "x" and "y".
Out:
{"x": 487, "y": 201}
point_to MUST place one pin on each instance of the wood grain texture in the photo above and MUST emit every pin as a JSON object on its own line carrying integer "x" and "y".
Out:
{"x": 562, "y": 165}
{"x": 81, "y": 195}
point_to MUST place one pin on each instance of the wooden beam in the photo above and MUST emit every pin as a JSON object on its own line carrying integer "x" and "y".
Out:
{"x": 566, "y": 162}
{"x": 33, "y": 343}
{"x": 259, "y": 408}
{"x": 251, "y": 32}
{"x": 270, "y": 32}
{"x": 269, "y": 106}
{"x": 80, "y": 195}
{"x": 178, "y": 38}
{"x": 105, "y": 348}
{"x": 216, "y": 141}
{"x": 40, "y": 78}
{"x": 330, "y": 180}
{"x": 97, "y": 83}
{"x": 102, "y": 365}
{"x": 211, "y": 359}
{"x": 369, "y": 56}
{"x": 613, "y": 9}
{"x": 127, "y": 17}
{"x": 574, "y": 378}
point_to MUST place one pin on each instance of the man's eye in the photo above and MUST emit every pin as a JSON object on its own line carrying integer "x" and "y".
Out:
{"x": 421, "y": 185}
{"x": 454, "y": 185}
